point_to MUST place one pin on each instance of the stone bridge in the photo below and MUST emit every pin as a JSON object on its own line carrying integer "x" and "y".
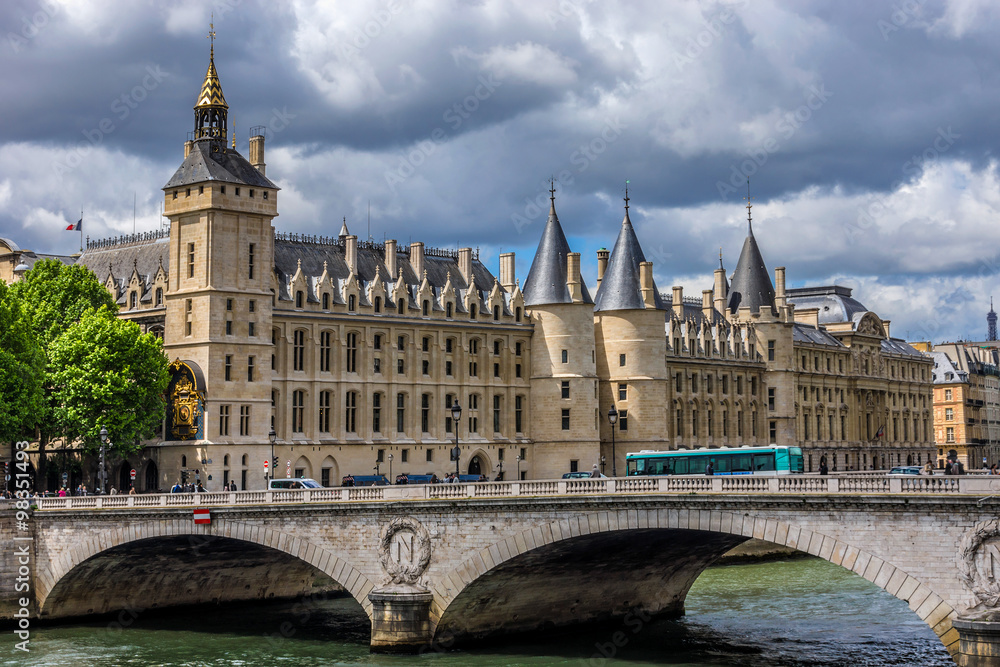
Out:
{"x": 461, "y": 561}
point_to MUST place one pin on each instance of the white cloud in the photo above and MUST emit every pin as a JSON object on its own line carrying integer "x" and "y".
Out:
{"x": 524, "y": 62}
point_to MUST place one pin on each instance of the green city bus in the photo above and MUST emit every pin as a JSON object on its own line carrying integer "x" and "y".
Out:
{"x": 768, "y": 461}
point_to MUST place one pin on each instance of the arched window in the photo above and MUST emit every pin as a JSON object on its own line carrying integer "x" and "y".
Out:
{"x": 184, "y": 461}
{"x": 152, "y": 477}
{"x": 225, "y": 460}
{"x": 133, "y": 300}
{"x": 243, "y": 459}
{"x": 159, "y": 296}
{"x": 326, "y": 301}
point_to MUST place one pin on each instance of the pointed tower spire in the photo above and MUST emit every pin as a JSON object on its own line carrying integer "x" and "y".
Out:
{"x": 991, "y": 323}
{"x": 547, "y": 280}
{"x": 752, "y": 287}
{"x": 621, "y": 287}
{"x": 211, "y": 110}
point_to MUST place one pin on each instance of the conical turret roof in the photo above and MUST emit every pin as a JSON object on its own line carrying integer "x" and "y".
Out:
{"x": 546, "y": 282}
{"x": 211, "y": 89}
{"x": 621, "y": 288}
{"x": 751, "y": 287}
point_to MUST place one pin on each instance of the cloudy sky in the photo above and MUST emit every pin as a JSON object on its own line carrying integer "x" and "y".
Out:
{"x": 868, "y": 130}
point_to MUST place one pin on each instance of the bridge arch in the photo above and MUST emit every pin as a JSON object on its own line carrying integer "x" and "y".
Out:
{"x": 59, "y": 570}
{"x": 455, "y": 593}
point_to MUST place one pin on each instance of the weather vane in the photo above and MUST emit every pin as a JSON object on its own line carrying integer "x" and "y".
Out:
{"x": 211, "y": 33}
{"x": 626, "y": 194}
{"x": 749, "y": 199}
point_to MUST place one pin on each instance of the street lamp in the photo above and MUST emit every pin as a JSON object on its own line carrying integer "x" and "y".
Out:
{"x": 272, "y": 436}
{"x": 104, "y": 443}
{"x": 604, "y": 460}
{"x": 456, "y": 415}
{"x": 613, "y": 419}
{"x": 377, "y": 464}
{"x": 518, "y": 468}
{"x": 390, "y": 469}
{"x": 500, "y": 476}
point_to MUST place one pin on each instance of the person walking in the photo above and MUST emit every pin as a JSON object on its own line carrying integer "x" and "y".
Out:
{"x": 595, "y": 472}
{"x": 710, "y": 469}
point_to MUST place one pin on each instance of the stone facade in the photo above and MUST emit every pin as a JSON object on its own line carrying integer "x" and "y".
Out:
{"x": 353, "y": 352}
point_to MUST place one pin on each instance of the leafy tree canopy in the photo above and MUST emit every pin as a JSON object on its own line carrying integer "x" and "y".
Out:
{"x": 22, "y": 366}
{"x": 105, "y": 372}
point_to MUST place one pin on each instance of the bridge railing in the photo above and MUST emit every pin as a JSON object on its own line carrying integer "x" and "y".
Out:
{"x": 791, "y": 485}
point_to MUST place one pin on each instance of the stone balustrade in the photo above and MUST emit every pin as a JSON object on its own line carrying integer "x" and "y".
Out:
{"x": 982, "y": 485}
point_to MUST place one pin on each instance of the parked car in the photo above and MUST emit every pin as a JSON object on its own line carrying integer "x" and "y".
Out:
{"x": 905, "y": 471}
{"x": 293, "y": 483}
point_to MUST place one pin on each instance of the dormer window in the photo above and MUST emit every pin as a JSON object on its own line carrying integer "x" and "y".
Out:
{"x": 298, "y": 299}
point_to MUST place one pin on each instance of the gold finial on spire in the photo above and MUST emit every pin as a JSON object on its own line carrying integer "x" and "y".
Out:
{"x": 234, "y": 131}
{"x": 211, "y": 36}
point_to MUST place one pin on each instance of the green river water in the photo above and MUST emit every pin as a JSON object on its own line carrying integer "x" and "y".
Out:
{"x": 787, "y": 613}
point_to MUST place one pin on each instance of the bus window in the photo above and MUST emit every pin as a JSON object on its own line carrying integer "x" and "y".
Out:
{"x": 721, "y": 463}
{"x": 681, "y": 466}
{"x": 638, "y": 467}
{"x": 763, "y": 462}
{"x": 740, "y": 463}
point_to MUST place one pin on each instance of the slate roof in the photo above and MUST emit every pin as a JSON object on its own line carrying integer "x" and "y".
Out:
{"x": 751, "y": 286}
{"x": 371, "y": 256}
{"x": 213, "y": 161}
{"x": 620, "y": 286}
{"x": 834, "y": 302}
{"x": 546, "y": 282}
{"x": 803, "y": 333}
{"x": 900, "y": 346}
{"x": 144, "y": 257}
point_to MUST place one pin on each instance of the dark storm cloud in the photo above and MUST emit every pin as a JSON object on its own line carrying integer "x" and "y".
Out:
{"x": 449, "y": 118}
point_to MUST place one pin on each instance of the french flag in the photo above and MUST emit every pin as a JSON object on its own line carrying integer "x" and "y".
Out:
{"x": 77, "y": 227}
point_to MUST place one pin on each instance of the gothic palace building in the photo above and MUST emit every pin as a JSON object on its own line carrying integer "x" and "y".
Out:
{"x": 353, "y": 352}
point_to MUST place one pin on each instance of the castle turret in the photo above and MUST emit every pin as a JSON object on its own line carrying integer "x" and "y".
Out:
{"x": 562, "y": 356}
{"x": 751, "y": 287}
{"x": 629, "y": 317}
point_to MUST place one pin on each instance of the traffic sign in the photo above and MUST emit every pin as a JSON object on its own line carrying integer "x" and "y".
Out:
{"x": 132, "y": 473}
{"x": 265, "y": 465}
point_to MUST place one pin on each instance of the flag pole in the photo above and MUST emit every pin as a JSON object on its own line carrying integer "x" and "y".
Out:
{"x": 81, "y": 230}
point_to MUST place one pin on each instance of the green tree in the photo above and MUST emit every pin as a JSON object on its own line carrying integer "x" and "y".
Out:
{"x": 106, "y": 373}
{"x": 54, "y": 296}
{"x": 22, "y": 366}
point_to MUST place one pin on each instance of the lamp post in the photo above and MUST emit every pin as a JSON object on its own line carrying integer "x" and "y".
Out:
{"x": 500, "y": 476}
{"x": 100, "y": 473}
{"x": 518, "y": 468}
{"x": 377, "y": 464}
{"x": 391, "y": 481}
{"x": 613, "y": 419}
{"x": 604, "y": 460}
{"x": 456, "y": 415}
{"x": 272, "y": 436}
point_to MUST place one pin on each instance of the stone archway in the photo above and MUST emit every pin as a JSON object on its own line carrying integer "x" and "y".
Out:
{"x": 56, "y": 573}
{"x": 457, "y": 597}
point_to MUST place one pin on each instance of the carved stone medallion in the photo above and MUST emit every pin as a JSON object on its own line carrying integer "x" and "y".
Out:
{"x": 405, "y": 550}
{"x": 979, "y": 562}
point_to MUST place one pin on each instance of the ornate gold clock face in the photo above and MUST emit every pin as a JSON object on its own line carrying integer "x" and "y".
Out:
{"x": 185, "y": 403}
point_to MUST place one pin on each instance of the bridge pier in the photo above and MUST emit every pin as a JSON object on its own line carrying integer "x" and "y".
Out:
{"x": 978, "y": 641}
{"x": 401, "y": 620}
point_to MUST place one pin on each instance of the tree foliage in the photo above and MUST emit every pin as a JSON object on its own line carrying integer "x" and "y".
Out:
{"x": 106, "y": 373}
{"x": 22, "y": 365}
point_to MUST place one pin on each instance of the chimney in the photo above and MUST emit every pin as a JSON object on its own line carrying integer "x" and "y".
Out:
{"x": 779, "y": 287}
{"x": 719, "y": 293}
{"x": 678, "y": 301}
{"x": 417, "y": 259}
{"x": 885, "y": 324}
{"x": 706, "y": 304}
{"x": 507, "y": 271}
{"x": 390, "y": 259}
{"x": 465, "y": 264}
{"x": 257, "y": 152}
{"x": 573, "y": 277}
{"x": 351, "y": 254}
{"x": 602, "y": 265}
{"x": 646, "y": 284}
{"x": 808, "y": 316}
{"x": 188, "y": 145}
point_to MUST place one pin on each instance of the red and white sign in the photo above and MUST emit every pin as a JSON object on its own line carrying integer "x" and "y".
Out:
{"x": 132, "y": 473}
{"x": 265, "y": 465}
{"x": 202, "y": 516}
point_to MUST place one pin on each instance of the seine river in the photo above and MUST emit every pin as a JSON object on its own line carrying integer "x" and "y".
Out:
{"x": 798, "y": 612}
